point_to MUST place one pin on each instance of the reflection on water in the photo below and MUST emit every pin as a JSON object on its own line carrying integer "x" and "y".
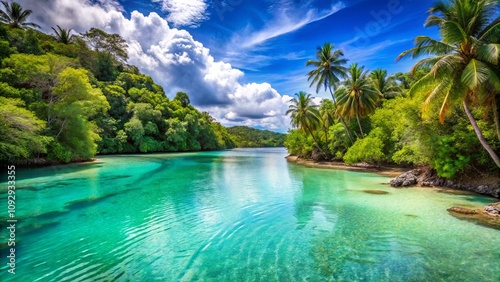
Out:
{"x": 238, "y": 215}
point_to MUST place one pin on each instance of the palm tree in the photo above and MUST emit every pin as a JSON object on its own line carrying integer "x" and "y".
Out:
{"x": 357, "y": 98}
{"x": 327, "y": 116}
{"x": 327, "y": 73}
{"x": 63, "y": 35}
{"x": 386, "y": 87}
{"x": 305, "y": 115}
{"x": 464, "y": 62}
{"x": 14, "y": 15}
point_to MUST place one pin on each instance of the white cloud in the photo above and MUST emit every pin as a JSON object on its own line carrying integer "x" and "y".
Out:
{"x": 248, "y": 49}
{"x": 185, "y": 12}
{"x": 175, "y": 60}
{"x": 288, "y": 19}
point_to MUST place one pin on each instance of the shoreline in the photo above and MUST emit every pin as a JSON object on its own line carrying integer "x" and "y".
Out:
{"x": 484, "y": 186}
{"x": 382, "y": 170}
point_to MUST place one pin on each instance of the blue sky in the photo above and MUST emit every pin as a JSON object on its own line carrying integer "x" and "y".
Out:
{"x": 242, "y": 60}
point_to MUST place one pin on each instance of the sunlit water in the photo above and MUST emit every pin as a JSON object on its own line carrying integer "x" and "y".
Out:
{"x": 239, "y": 215}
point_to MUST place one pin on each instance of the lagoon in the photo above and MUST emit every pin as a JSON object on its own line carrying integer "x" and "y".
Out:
{"x": 238, "y": 215}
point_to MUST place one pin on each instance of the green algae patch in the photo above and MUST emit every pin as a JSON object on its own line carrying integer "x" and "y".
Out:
{"x": 376, "y": 192}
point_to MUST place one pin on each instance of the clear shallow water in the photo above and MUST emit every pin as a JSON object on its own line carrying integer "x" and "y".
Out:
{"x": 240, "y": 215}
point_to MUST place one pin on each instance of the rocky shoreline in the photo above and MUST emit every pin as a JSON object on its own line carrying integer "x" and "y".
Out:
{"x": 426, "y": 177}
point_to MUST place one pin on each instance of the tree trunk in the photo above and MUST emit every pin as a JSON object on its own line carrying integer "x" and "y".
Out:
{"x": 62, "y": 127}
{"x": 360, "y": 127}
{"x": 316, "y": 142}
{"x": 340, "y": 117}
{"x": 480, "y": 136}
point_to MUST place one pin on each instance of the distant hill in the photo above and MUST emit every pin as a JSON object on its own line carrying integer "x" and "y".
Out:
{"x": 247, "y": 137}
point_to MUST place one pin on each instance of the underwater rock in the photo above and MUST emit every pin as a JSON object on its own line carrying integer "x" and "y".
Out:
{"x": 481, "y": 217}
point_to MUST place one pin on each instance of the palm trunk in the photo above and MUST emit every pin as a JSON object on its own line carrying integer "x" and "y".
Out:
{"x": 360, "y": 128}
{"x": 480, "y": 136}
{"x": 316, "y": 142}
{"x": 341, "y": 118}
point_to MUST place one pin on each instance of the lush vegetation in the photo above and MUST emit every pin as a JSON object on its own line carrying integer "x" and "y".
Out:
{"x": 444, "y": 113}
{"x": 247, "y": 137}
{"x": 66, "y": 97}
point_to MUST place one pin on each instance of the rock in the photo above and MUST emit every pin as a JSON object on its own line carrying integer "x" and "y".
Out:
{"x": 493, "y": 209}
{"x": 426, "y": 184}
{"x": 406, "y": 179}
{"x": 427, "y": 177}
{"x": 480, "y": 217}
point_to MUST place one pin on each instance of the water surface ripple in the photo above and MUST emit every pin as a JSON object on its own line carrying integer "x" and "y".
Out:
{"x": 238, "y": 215}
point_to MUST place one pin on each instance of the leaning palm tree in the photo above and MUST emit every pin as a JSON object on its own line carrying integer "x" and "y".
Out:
{"x": 15, "y": 16}
{"x": 464, "y": 62}
{"x": 357, "y": 97}
{"x": 327, "y": 73}
{"x": 386, "y": 87}
{"x": 63, "y": 35}
{"x": 305, "y": 115}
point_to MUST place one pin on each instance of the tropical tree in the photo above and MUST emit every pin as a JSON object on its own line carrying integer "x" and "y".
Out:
{"x": 63, "y": 35}
{"x": 305, "y": 115}
{"x": 15, "y": 16}
{"x": 357, "y": 97}
{"x": 327, "y": 116}
{"x": 386, "y": 87}
{"x": 112, "y": 45}
{"x": 464, "y": 62}
{"x": 328, "y": 71}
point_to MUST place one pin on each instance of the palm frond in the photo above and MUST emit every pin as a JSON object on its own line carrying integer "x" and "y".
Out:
{"x": 426, "y": 46}
{"x": 489, "y": 53}
{"x": 492, "y": 27}
{"x": 423, "y": 84}
{"x": 476, "y": 73}
{"x": 452, "y": 32}
{"x": 446, "y": 65}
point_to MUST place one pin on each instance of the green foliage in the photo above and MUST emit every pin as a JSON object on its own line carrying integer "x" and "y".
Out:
{"x": 448, "y": 161}
{"x": 183, "y": 98}
{"x": 25, "y": 41}
{"x": 368, "y": 149}
{"x": 20, "y": 131}
{"x": 5, "y": 50}
{"x": 247, "y": 137}
{"x": 91, "y": 102}
{"x": 299, "y": 144}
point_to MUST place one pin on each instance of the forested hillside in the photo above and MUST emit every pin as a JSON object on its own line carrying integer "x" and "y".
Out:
{"x": 66, "y": 97}
{"x": 247, "y": 137}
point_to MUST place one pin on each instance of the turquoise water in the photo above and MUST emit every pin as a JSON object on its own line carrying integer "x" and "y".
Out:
{"x": 239, "y": 215}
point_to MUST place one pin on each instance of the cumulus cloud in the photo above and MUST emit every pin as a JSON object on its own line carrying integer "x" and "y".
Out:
{"x": 175, "y": 60}
{"x": 185, "y": 12}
